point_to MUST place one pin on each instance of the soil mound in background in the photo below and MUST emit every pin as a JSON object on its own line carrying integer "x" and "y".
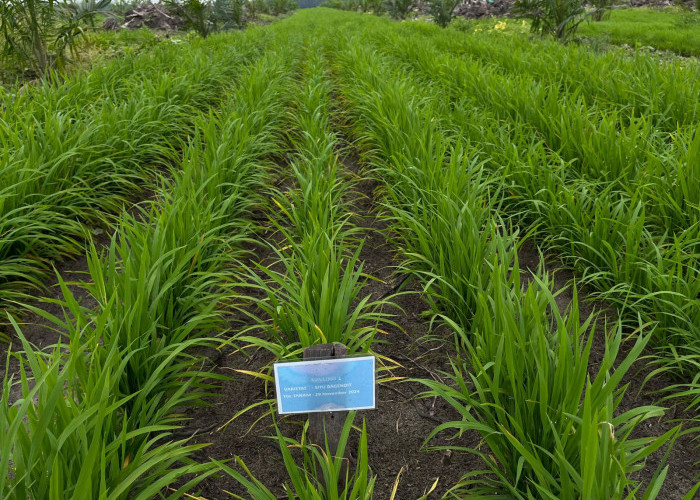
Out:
{"x": 475, "y": 9}
{"x": 154, "y": 16}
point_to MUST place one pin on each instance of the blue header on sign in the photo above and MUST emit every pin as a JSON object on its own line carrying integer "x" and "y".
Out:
{"x": 325, "y": 385}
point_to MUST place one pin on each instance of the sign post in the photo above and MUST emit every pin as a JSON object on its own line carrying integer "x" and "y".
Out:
{"x": 326, "y": 424}
{"x": 326, "y": 385}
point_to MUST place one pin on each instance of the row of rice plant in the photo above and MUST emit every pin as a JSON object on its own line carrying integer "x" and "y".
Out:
{"x": 521, "y": 376}
{"x": 665, "y": 92}
{"x": 323, "y": 473}
{"x": 96, "y": 414}
{"x": 67, "y": 163}
{"x": 313, "y": 293}
{"x": 636, "y": 245}
{"x": 632, "y": 154}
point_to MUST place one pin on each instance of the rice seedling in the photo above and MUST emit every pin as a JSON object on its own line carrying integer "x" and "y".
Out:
{"x": 68, "y": 436}
{"x": 322, "y": 474}
{"x": 521, "y": 380}
{"x": 476, "y": 143}
{"x": 636, "y": 86}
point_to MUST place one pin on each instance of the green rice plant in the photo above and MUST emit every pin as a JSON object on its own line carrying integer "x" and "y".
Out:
{"x": 322, "y": 475}
{"x": 545, "y": 439}
{"x": 68, "y": 437}
{"x": 606, "y": 236}
{"x": 665, "y": 94}
{"x": 166, "y": 277}
{"x": 444, "y": 217}
{"x": 63, "y": 170}
{"x": 607, "y": 243}
{"x": 601, "y": 145}
{"x": 674, "y": 29}
{"x": 158, "y": 287}
{"x": 521, "y": 381}
{"x": 316, "y": 302}
{"x": 313, "y": 293}
{"x": 438, "y": 200}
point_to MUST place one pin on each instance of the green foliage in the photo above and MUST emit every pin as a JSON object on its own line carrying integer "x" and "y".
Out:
{"x": 313, "y": 293}
{"x": 523, "y": 384}
{"x": 441, "y": 10}
{"x": 322, "y": 475}
{"x": 76, "y": 153}
{"x": 198, "y": 14}
{"x": 462, "y": 24}
{"x": 527, "y": 351}
{"x": 36, "y": 34}
{"x": 558, "y": 18}
{"x": 399, "y": 9}
{"x": 676, "y": 31}
{"x": 228, "y": 14}
{"x": 97, "y": 421}
{"x": 375, "y": 6}
{"x": 207, "y": 16}
{"x": 601, "y": 9}
{"x": 255, "y": 7}
{"x": 334, "y": 4}
{"x": 278, "y": 7}
{"x": 69, "y": 434}
{"x": 472, "y": 138}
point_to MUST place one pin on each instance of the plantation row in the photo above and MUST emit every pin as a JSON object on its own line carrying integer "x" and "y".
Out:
{"x": 476, "y": 146}
{"x": 619, "y": 209}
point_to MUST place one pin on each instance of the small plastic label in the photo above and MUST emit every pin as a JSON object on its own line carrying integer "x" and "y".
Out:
{"x": 325, "y": 385}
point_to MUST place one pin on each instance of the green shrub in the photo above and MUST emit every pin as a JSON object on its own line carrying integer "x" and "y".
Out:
{"x": 399, "y": 9}
{"x": 37, "y": 33}
{"x": 462, "y": 24}
{"x": 334, "y": 4}
{"x": 376, "y": 6}
{"x": 559, "y": 18}
{"x": 197, "y": 15}
{"x": 277, "y": 7}
{"x": 228, "y": 14}
{"x": 255, "y": 7}
{"x": 441, "y": 10}
{"x": 208, "y": 16}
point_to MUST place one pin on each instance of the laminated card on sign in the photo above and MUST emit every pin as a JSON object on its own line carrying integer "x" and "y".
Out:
{"x": 325, "y": 385}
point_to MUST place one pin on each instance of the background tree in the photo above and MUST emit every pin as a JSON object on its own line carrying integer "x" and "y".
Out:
{"x": 207, "y": 16}
{"x": 399, "y": 9}
{"x": 228, "y": 14}
{"x": 559, "y": 18}
{"x": 442, "y": 10}
{"x": 36, "y": 34}
{"x": 602, "y": 8}
{"x": 277, "y": 7}
{"x": 255, "y": 7}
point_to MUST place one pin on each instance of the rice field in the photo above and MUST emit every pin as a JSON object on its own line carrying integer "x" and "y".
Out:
{"x": 510, "y": 225}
